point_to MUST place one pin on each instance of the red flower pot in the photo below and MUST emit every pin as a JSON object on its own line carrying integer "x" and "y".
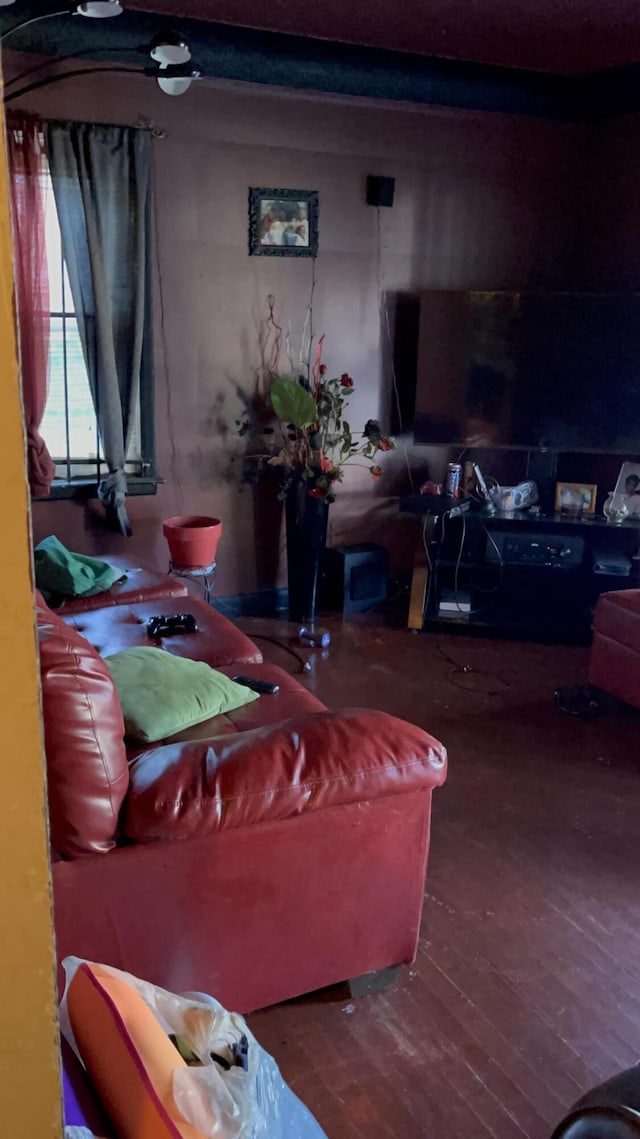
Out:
{"x": 193, "y": 539}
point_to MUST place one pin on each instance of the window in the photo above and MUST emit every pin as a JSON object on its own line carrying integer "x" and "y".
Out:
{"x": 69, "y": 426}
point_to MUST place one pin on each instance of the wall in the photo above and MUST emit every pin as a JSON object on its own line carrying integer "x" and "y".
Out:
{"x": 29, "y": 1078}
{"x": 481, "y": 201}
{"x": 609, "y": 234}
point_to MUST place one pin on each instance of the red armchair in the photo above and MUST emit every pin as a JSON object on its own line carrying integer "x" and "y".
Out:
{"x": 614, "y": 661}
{"x": 268, "y": 853}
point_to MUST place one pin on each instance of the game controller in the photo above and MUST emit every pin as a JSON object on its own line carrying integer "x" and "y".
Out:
{"x": 165, "y": 626}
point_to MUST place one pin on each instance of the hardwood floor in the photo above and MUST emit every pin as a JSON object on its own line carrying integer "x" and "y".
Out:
{"x": 526, "y": 988}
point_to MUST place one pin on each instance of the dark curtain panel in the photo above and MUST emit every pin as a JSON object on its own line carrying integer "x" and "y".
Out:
{"x": 102, "y": 184}
{"x": 27, "y": 173}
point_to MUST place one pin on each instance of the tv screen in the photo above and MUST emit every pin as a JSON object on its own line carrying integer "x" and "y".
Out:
{"x": 529, "y": 370}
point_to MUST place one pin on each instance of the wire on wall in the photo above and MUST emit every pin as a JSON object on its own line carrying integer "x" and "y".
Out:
{"x": 386, "y": 339}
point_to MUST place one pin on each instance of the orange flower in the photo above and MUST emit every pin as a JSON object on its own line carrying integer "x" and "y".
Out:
{"x": 325, "y": 463}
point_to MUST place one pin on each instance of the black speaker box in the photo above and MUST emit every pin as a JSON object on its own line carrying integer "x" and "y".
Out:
{"x": 380, "y": 190}
{"x": 353, "y": 578}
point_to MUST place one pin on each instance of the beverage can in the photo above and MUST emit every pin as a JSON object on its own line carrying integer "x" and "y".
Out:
{"x": 315, "y": 640}
{"x": 452, "y": 484}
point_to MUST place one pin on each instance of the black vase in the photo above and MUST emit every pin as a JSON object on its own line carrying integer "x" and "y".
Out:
{"x": 306, "y": 539}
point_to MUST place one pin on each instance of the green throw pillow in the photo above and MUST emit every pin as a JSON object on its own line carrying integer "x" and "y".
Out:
{"x": 162, "y": 694}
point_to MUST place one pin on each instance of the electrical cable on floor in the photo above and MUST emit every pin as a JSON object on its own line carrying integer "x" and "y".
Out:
{"x": 305, "y": 665}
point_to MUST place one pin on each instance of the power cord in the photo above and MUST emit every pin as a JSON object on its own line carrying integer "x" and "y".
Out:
{"x": 305, "y": 665}
{"x": 165, "y": 355}
{"x": 458, "y": 669}
{"x": 384, "y": 307}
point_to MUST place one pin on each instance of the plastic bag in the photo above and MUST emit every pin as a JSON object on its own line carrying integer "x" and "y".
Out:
{"x": 233, "y": 1104}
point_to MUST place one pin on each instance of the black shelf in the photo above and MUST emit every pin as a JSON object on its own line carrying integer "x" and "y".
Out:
{"x": 549, "y": 599}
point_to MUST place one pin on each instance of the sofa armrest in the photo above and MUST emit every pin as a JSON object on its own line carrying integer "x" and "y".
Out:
{"x": 306, "y": 763}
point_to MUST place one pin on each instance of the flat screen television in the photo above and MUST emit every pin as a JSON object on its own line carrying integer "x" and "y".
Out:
{"x": 529, "y": 370}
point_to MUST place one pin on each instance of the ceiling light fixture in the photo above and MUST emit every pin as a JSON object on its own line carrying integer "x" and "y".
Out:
{"x": 175, "y": 80}
{"x": 169, "y": 49}
{"x": 97, "y": 9}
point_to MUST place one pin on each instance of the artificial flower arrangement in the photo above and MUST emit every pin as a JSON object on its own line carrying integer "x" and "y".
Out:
{"x": 315, "y": 440}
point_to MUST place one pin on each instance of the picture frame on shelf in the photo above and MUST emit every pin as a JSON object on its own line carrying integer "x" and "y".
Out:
{"x": 283, "y": 223}
{"x": 628, "y": 485}
{"x": 576, "y": 498}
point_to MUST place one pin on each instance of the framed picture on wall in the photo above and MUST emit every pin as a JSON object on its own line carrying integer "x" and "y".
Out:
{"x": 283, "y": 223}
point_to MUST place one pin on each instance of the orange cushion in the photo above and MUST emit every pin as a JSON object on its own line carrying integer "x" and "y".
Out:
{"x": 128, "y": 1056}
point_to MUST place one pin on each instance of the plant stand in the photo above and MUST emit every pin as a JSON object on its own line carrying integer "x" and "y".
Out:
{"x": 306, "y": 520}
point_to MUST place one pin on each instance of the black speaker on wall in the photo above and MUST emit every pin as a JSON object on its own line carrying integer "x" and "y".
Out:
{"x": 380, "y": 190}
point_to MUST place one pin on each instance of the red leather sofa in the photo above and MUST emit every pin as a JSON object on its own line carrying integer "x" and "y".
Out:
{"x": 267, "y": 853}
{"x": 614, "y": 661}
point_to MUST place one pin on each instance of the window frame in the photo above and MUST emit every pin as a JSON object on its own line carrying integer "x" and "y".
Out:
{"x": 142, "y": 476}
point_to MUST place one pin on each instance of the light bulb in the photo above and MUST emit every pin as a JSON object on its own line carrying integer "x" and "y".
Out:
{"x": 174, "y": 86}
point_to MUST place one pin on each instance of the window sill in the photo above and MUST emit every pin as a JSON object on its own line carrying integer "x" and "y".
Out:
{"x": 81, "y": 490}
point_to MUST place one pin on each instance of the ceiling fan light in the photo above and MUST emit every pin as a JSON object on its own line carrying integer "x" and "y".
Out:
{"x": 176, "y": 80}
{"x": 98, "y": 9}
{"x": 174, "y": 85}
{"x": 170, "y": 50}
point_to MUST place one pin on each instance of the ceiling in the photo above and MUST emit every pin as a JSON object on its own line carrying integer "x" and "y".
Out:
{"x": 567, "y": 36}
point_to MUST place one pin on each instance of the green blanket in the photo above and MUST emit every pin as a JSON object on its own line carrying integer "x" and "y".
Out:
{"x": 61, "y": 574}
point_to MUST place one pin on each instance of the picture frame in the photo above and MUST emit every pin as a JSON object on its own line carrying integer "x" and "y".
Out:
{"x": 628, "y": 485}
{"x": 575, "y": 498}
{"x": 283, "y": 223}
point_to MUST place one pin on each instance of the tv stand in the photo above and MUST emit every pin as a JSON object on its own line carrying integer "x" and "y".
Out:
{"x": 537, "y": 577}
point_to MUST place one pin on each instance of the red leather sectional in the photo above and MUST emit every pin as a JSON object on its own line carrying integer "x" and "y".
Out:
{"x": 614, "y": 662}
{"x": 267, "y": 853}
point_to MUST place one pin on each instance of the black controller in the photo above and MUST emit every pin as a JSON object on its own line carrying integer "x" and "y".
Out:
{"x": 164, "y": 626}
{"x": 264, "y": 687}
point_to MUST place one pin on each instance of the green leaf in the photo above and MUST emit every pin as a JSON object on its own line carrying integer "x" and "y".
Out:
{"x": 292, "y": 403}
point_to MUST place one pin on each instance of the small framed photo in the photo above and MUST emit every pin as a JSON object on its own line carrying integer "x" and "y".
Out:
{"x": 283, "y": 223}
{"x": 576, "y": 498}
{"x": 628, "y": 484}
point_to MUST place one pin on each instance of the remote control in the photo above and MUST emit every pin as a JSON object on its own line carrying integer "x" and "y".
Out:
{"x": 262, "y": 686}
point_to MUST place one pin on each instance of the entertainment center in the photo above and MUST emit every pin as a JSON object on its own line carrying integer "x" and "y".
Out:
{"x": 520, "y": 575}
{"x": 539, "y": 386}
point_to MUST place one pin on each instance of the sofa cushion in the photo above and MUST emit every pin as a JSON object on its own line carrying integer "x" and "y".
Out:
{"x": 218, "y": 642}
{"x": 160, "y": 694}
{"x": 304, "y": 764}
{"x": 142, "y": 583}
{"x": 292, "y": 699}
{"x": 87, "y": 773}
{"x": 128, "y": 1055}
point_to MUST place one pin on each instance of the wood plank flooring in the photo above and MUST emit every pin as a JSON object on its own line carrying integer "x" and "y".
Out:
{"x": 526, "y": 988}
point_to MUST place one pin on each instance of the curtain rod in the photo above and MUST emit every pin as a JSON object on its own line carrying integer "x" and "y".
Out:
{"x": 143, "y": 124}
